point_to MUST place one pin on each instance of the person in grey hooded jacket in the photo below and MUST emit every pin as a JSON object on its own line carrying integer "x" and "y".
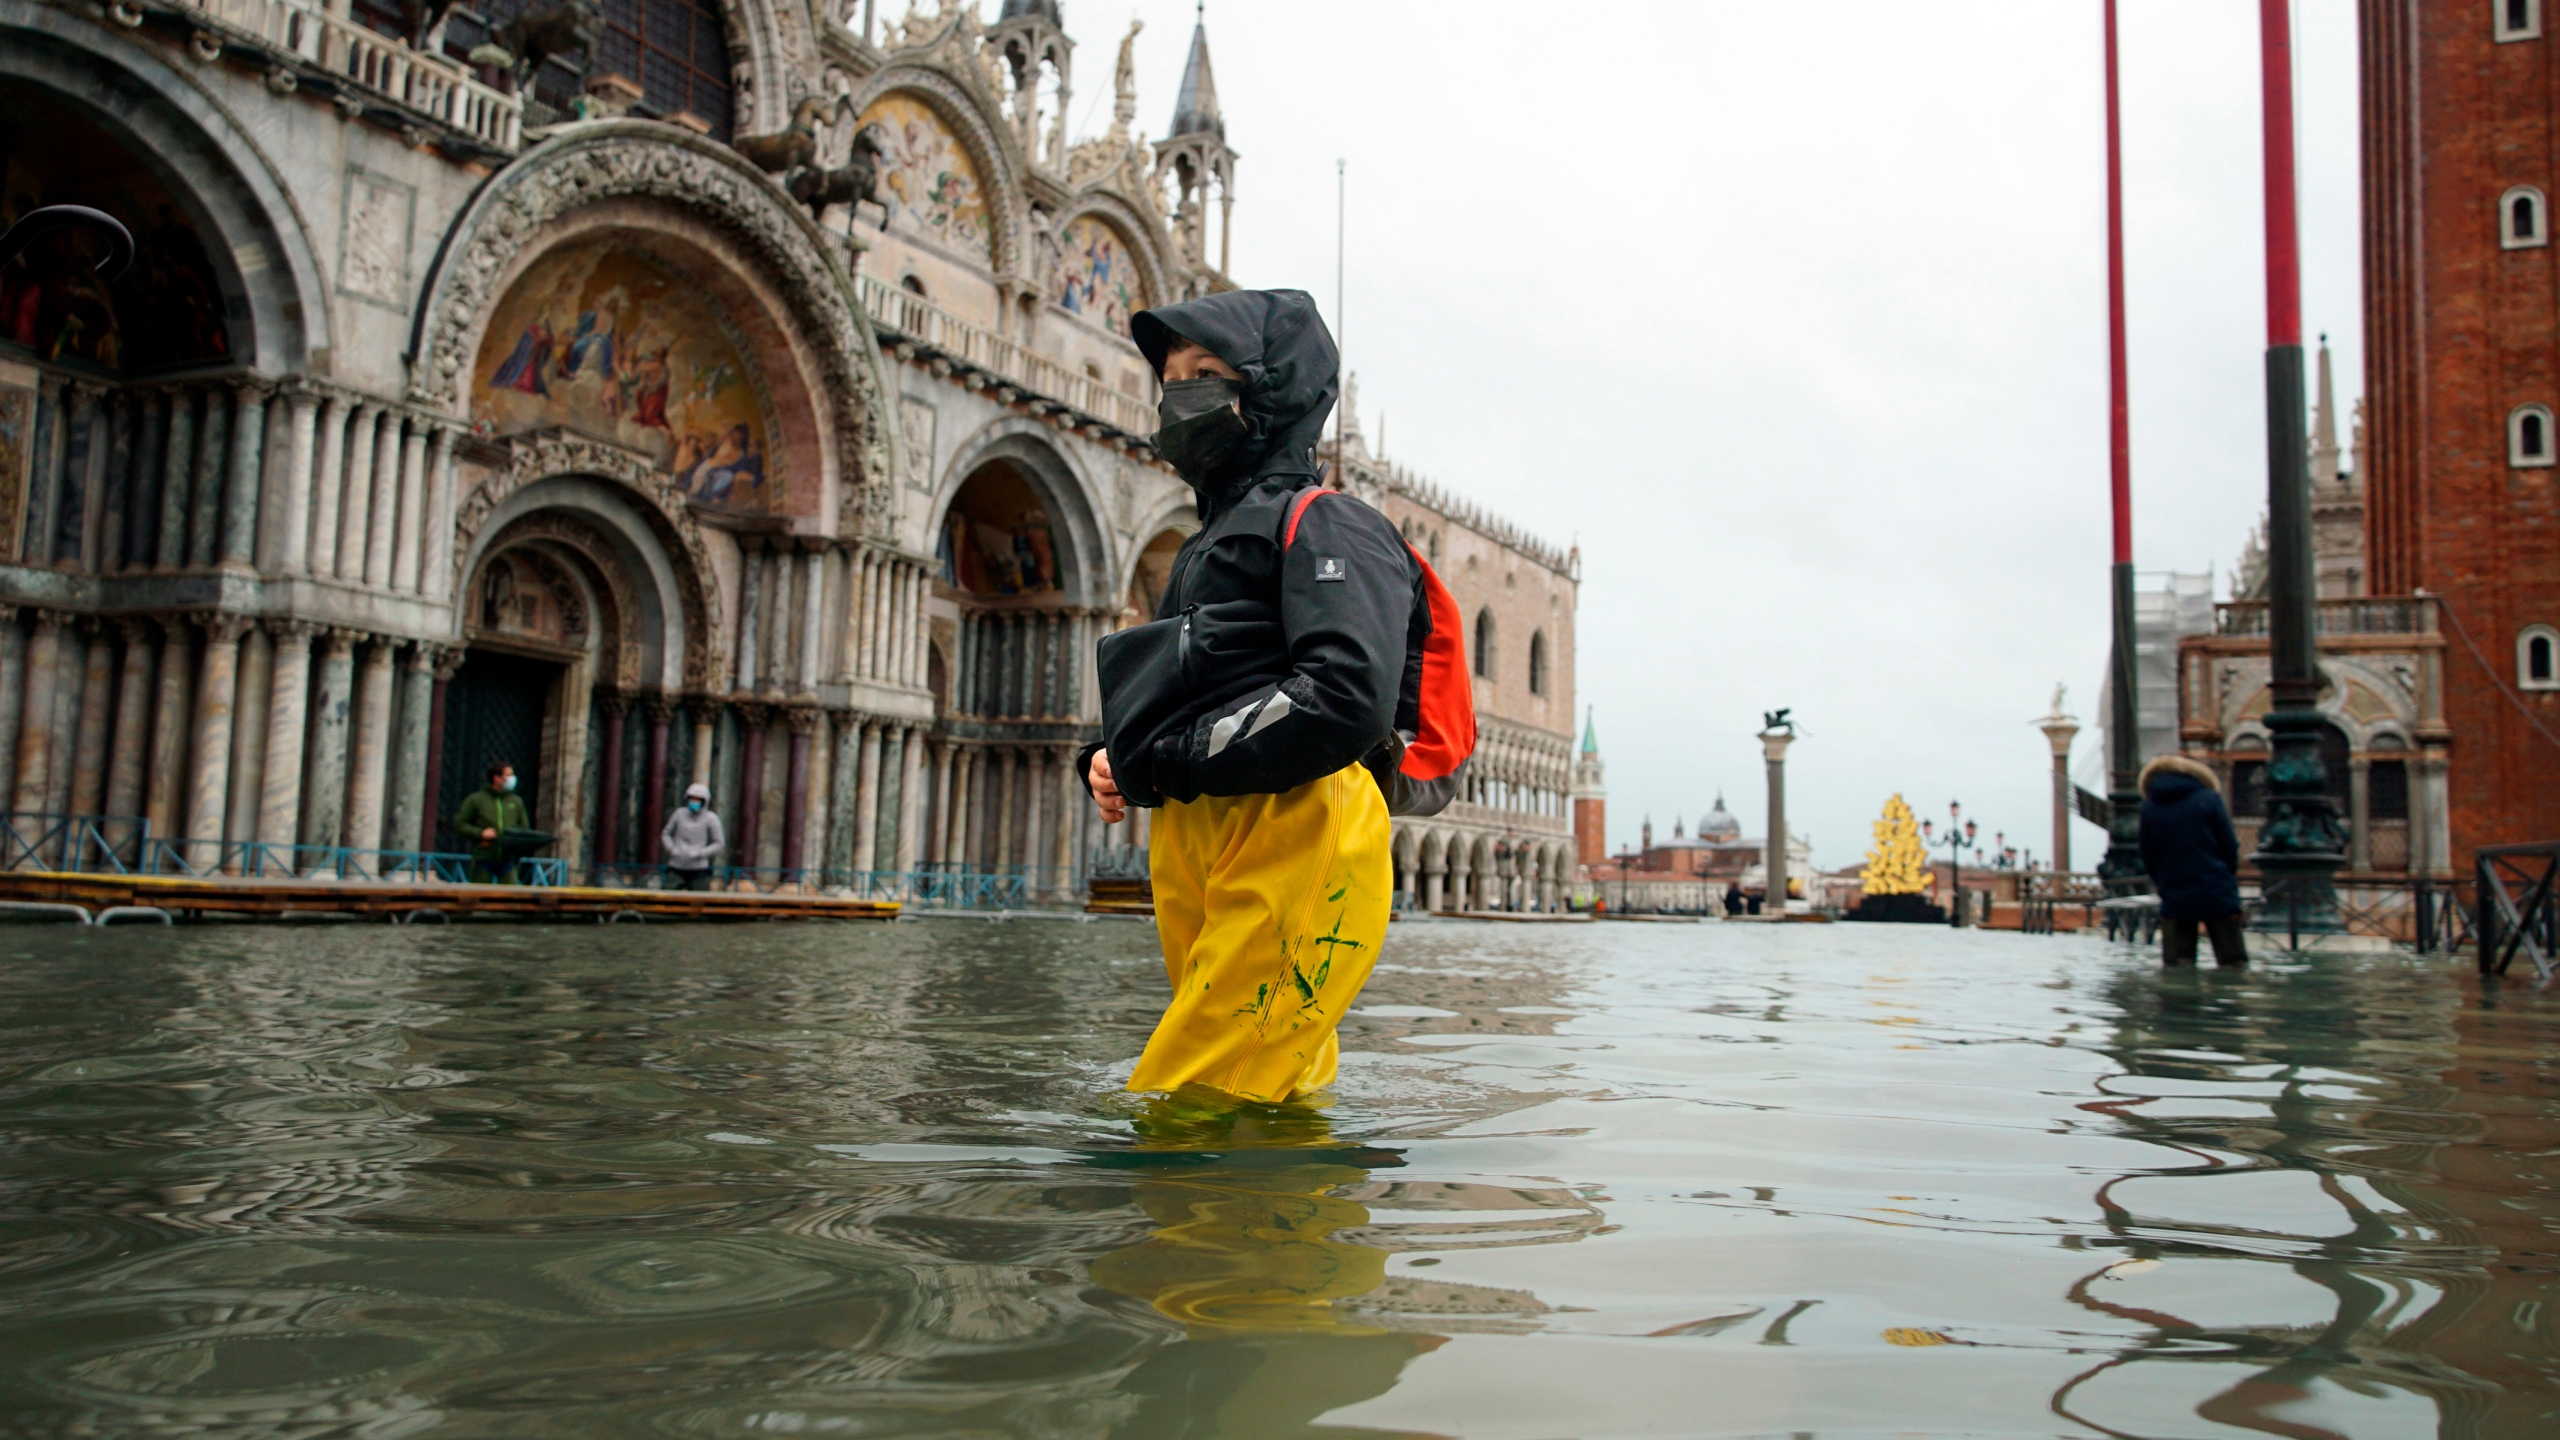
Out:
{"x": 693, "y": 840}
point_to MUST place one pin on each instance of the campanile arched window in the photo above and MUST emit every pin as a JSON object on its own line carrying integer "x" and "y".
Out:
{"x": 2529, "y": 436}
{"x": 2538, "y": 658}
{"x": 2524, "y": 219}
{"x": 1484, "y": 643}
{"x": 2516, "y": 19}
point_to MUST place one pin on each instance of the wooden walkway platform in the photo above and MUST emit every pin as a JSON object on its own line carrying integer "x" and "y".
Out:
{"x": 276, "y": 899}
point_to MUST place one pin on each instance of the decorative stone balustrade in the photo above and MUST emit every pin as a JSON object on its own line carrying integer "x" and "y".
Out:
{"x": 430, "y": 84}
{"x": 907, "y": 314}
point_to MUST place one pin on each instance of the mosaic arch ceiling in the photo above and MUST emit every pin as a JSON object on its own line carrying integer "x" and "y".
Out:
{"x": 605, "y": 342}
{"x": 997, "y": 539}
{"x": 929, "y": 183}
{"x": 166, "y": 312}
{"x": 1098, "y": 274}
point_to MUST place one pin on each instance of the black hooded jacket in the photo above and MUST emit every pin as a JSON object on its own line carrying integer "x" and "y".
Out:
{"x": 1272, "y": 661}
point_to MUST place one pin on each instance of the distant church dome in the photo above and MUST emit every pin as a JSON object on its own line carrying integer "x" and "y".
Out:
{"x": 1718, "y": 825}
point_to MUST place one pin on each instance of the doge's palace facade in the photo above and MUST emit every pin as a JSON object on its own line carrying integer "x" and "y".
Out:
{"x": 735, "y": 392}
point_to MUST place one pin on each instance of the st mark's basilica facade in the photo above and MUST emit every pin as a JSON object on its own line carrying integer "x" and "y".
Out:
{"x": 641, "y": 393}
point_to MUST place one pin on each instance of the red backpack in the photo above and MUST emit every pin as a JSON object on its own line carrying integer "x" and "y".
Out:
{"x": 1446, "y": 731}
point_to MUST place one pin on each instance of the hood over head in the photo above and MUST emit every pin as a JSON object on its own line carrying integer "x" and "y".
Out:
{"x": 698, "y": 791}
{"x": 2169, "y": 776}
{"x": 1278, "y": 342}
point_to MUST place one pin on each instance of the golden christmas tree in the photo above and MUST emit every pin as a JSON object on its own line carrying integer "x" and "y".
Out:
{"x": 1897, "y": 866}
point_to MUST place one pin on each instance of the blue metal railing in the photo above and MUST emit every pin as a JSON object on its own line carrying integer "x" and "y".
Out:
{"x": 933, "y": 886}
{"x": 124, "y": 845}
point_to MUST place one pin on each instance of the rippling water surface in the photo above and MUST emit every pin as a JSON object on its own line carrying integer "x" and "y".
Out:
{"x": 1593, "y": 1180}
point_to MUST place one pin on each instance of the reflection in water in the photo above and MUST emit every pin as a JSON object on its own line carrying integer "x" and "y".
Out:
{"x": 1599, "y": 1180}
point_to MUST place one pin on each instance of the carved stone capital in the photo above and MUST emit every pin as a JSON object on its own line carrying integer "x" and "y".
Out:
{"x": 802, "y": 719}
{"x": 448, "y": 660}
{"x": 292, "y": 632}
{"x": 337, "y": 642}
{"x": 659, "y": 706}
{"x": 225, "y": 628}
{"x": 705, "y": 708}
{"x": 755, "y": 713}
{"x": 614, "y": 701}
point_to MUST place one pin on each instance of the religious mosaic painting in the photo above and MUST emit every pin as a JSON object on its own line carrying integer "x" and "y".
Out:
{"x": 605, "y": 342}
{"x": 928, "y": 180}
{"x": 1097, "y": 278}
{"x": 165, "y": 312}
{"x": 996, "y": 540}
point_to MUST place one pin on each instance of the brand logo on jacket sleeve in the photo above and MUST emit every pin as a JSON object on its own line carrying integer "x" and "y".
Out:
{"x": 1330, "y": 568}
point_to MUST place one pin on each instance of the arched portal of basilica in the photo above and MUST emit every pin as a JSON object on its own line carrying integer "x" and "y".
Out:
{"x": 609, "y": 425}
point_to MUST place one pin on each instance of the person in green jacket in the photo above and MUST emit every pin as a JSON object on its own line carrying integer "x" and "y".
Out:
{"x": 486, "y": 814}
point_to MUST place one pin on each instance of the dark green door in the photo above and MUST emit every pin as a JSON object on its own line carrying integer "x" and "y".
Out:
{"x": 492, "y": 711}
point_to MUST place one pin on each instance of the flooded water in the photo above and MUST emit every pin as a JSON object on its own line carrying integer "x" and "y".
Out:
{"x": 1600, "y": 1180}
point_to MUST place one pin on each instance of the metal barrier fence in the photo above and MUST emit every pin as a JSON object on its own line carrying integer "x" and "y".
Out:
{"x": 2429, "y": 916}
{"x": 2529, "y": 922}
{"x": 124, "y": 845}
{"x": 932, "y": 887}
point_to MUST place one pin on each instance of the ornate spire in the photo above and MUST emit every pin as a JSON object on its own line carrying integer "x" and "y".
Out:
{"x": 1591, "y": 737}
{"x": 1195, "y": 106}
{"x": 2324, "y": 425}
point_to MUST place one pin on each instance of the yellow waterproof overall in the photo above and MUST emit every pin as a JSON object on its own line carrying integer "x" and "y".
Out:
{"x": 1271, "y": 908}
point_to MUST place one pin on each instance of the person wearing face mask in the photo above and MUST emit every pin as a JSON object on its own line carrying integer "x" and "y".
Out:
{"x": 692, "y": 840}
{"x": 1302, "y": 680}
{"x": 487, "y": 814}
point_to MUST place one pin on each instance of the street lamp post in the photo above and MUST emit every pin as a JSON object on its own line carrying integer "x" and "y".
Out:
{"x": 2301, "y": 845}
{"x": 2123, "y": 863}
{"x": 1960, "y": 833}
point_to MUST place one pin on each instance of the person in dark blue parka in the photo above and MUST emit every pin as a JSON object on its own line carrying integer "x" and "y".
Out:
{"x": 2194, "y": 859}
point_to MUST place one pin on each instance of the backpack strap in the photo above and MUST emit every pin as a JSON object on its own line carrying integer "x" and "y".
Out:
{"x": 1297, "y": 508}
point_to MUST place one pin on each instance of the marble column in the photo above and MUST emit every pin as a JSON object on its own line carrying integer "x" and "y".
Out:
{"x": 435, "y": 559}
{"x": 955, "y": 845}
{"x": 209, "y": 753}
{"x": 844, "y": 777}
{"x": 871, "y": 624}
{"x": 142, "y": 507}
{"x": 750, "y": 598}
{"x": 284, "y": 529}
{"x": 127, "y": 753}
{"x": 866, "y": 799}
{"x": 1062, "y": 858}
{"x": 1000, "y": 792}
{"x": 92, "y": 734}
{"x": 940, "y": 843}
{"x": 910, "y": 797}
{"x": 382, "y": 512}
{"x": 248, "y": 746}
{"x": 813, "y": 591}
{"x": 369, "y": 737}
{"x": 164, "y": 804}
{"x": 355, "y": 488}
{"x": 745, "y": 844}
{"x": 444, "y": 662}
{"x": 66, "y": 523}
{"x": 241, "y": 477}
{"x": 795, "y": 788}
{"x": 177, "y": 480}
{"x": 41, "y": 676}
{"x": 706, "y": 713}
{"x": 324, "y": 787}
{"x": 288, "y": 719}
{"x": 406, "y": 806}
{"x": 328, "y": 483}
{"x": 660, "y": 707}
{"x": 204, "y": 486}
{"x": 615, "y": 706}
{"x": 406, "y": 542}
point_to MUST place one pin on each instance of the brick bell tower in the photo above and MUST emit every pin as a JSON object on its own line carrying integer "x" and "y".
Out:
{"x": 1590, "y": 800}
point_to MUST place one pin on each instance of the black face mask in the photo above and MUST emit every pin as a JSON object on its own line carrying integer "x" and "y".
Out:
{"x": 1201, "y": 434}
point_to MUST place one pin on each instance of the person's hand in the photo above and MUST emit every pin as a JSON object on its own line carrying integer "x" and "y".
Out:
{"x": 1106, "y": 796}
{"x": 488, "y": 834}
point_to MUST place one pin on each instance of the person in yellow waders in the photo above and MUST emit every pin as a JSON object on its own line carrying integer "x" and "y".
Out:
{"x": 1302, "y": 680}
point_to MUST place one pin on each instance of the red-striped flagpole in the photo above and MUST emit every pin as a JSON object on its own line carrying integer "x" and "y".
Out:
{"x": 2123, "y": 863}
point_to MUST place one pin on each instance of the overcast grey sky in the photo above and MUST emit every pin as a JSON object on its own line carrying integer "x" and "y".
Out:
{"x": 1794, "y": 317}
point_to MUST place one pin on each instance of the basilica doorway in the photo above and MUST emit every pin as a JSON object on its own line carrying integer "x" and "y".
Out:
{"x": 493, "y": 711}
